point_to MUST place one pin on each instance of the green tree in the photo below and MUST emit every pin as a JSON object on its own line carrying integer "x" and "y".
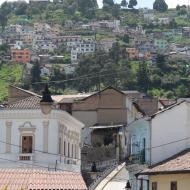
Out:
{"x": 20, "y": 8}
{"x": 99, "y": 63}
{"x": 108, "y": 3}
{"x": 3, "y": 20}
{"x": 143, "y": 80}
{"x": 87, "y": 8}
{"x": 178, "y": 7}
{"x": 182, "y": 11}
{"x": 126, "y": 38}
{"x": 161, "y": 62}
{"x": 115, "y": 52}
{"x": 116, "y": 11}
{"x": 124, "y": 3}
{"x": 35, "y": 72}
{"x": 160, "y": 5}
{"x": 132, "y": 3}
{"x": 173, "y": 24}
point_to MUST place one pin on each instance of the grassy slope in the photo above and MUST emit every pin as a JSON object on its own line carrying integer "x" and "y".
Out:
{"x": 9, "y": 74}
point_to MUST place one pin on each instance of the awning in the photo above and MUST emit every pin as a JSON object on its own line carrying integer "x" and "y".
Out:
{"x": 106, "y": 126}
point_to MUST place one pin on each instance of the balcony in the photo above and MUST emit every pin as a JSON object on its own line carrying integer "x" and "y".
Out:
{"x": 25, "y": 157}
{"x": 136, "y": 158}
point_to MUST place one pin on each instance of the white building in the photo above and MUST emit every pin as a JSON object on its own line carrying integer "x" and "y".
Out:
{"x": 160, "y": 135}
{"x": 30, "y": 138}
{"x": 167, "y": 126}
{"x": 82, "y": 47}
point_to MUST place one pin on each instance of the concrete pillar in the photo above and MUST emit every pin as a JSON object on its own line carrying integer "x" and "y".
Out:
{"x": 45, "y": 135}
{"x": 8, "y": 136}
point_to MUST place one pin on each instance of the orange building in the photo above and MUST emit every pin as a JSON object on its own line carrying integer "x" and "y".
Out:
{"x": 133, "y": 53}
{"x": 21, "y": 56}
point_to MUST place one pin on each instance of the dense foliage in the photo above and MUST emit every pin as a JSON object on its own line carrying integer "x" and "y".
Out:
{"x": 160, "y": 5}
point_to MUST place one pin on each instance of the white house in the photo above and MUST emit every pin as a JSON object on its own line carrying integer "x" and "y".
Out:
{"x": 167, "y": 128}
{"x": 160, "y": 135}
{"x": 32, "y": 137}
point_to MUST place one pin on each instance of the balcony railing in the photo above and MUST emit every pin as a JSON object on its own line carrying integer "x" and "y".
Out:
{"x": 136, "y": 159}
{"x": 25, "y": 157}
{"x": 72, "y": 161}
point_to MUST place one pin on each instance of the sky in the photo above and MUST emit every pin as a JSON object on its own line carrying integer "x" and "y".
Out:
{"x": 149, "y": 3}
{"x": 143, "y": 3}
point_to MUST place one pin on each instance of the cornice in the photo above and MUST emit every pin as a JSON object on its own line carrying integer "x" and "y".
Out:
{"x": 27, "y": 114}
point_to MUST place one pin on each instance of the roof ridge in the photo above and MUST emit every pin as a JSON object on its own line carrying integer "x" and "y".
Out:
{"x": 27, "y": 91}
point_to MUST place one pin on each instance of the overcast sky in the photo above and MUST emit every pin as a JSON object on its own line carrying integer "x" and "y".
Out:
{"x": 143, "y": 3}
{"x": 149, "y": 3}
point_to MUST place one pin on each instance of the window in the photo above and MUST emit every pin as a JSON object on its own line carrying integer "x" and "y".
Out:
{"x": 75, "y": 151}
{"x": 60, "y": 146}
{"x": 154, "y": 185}
{"x": 173, "y": 185}
{"x": 68, "y": 149}
{"x": 64, "y": 148}
{"x": 72, "y": 151}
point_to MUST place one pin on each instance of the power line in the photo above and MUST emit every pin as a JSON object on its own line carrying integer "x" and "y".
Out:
{"x": 89, "y": 76}
{"x": 35, "y": 150}
{"x": 172, "y": 142}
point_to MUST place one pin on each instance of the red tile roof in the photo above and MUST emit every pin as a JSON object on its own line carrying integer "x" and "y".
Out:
{"x": 179, "y": 163}
{"x": 32, "y": 102}
{"x": 32, "y": 179}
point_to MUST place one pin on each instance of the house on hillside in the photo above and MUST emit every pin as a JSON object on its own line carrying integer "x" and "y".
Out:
{"x": 20, "y": 55}
{"x": 133, "y": 53}
{"x": 160, "y": 44}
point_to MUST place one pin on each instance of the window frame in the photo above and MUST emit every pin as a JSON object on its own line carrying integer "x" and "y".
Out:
{"x": 154, "y": 185}
{"x": 175, "y": 185}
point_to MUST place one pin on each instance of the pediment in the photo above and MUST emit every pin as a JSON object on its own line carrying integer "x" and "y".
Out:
{"x": 27, "y": 126}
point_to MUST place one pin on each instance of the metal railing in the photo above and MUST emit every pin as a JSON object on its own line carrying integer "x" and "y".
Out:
{"x": 99, "y": 164}
{"x": 136, "y": 159}
{"x": 102, "y": 175}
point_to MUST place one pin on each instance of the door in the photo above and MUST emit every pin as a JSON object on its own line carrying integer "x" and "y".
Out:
{"x": 27, "y": 142}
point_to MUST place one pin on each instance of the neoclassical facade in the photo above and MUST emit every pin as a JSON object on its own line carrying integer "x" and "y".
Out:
{"x": 30, "y": 138}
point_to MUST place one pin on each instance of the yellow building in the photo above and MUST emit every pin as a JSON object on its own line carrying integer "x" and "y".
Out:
{"x": 171, "y": 174}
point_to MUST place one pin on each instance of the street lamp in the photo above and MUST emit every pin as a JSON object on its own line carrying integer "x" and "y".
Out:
{"x": 46, "y": 101}
{"x": 128, "y": 186}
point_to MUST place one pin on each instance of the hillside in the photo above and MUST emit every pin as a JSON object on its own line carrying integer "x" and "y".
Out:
{"x": 118, "y": 45}
{"x": 9, "y": 74}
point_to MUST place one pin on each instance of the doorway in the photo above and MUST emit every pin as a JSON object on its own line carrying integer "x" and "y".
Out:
{"x": 27, "y": 144}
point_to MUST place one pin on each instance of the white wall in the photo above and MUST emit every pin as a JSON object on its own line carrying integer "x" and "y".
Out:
{"x": 138, "y": 130}
{"x": 169, "y": 126}
{"x": 89, "y": 118}
{"x": 18, "y": 118}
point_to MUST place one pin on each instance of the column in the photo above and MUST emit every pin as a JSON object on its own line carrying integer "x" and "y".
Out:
{"x": 45, "y": 135}
{"x": 8, "y": 136}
